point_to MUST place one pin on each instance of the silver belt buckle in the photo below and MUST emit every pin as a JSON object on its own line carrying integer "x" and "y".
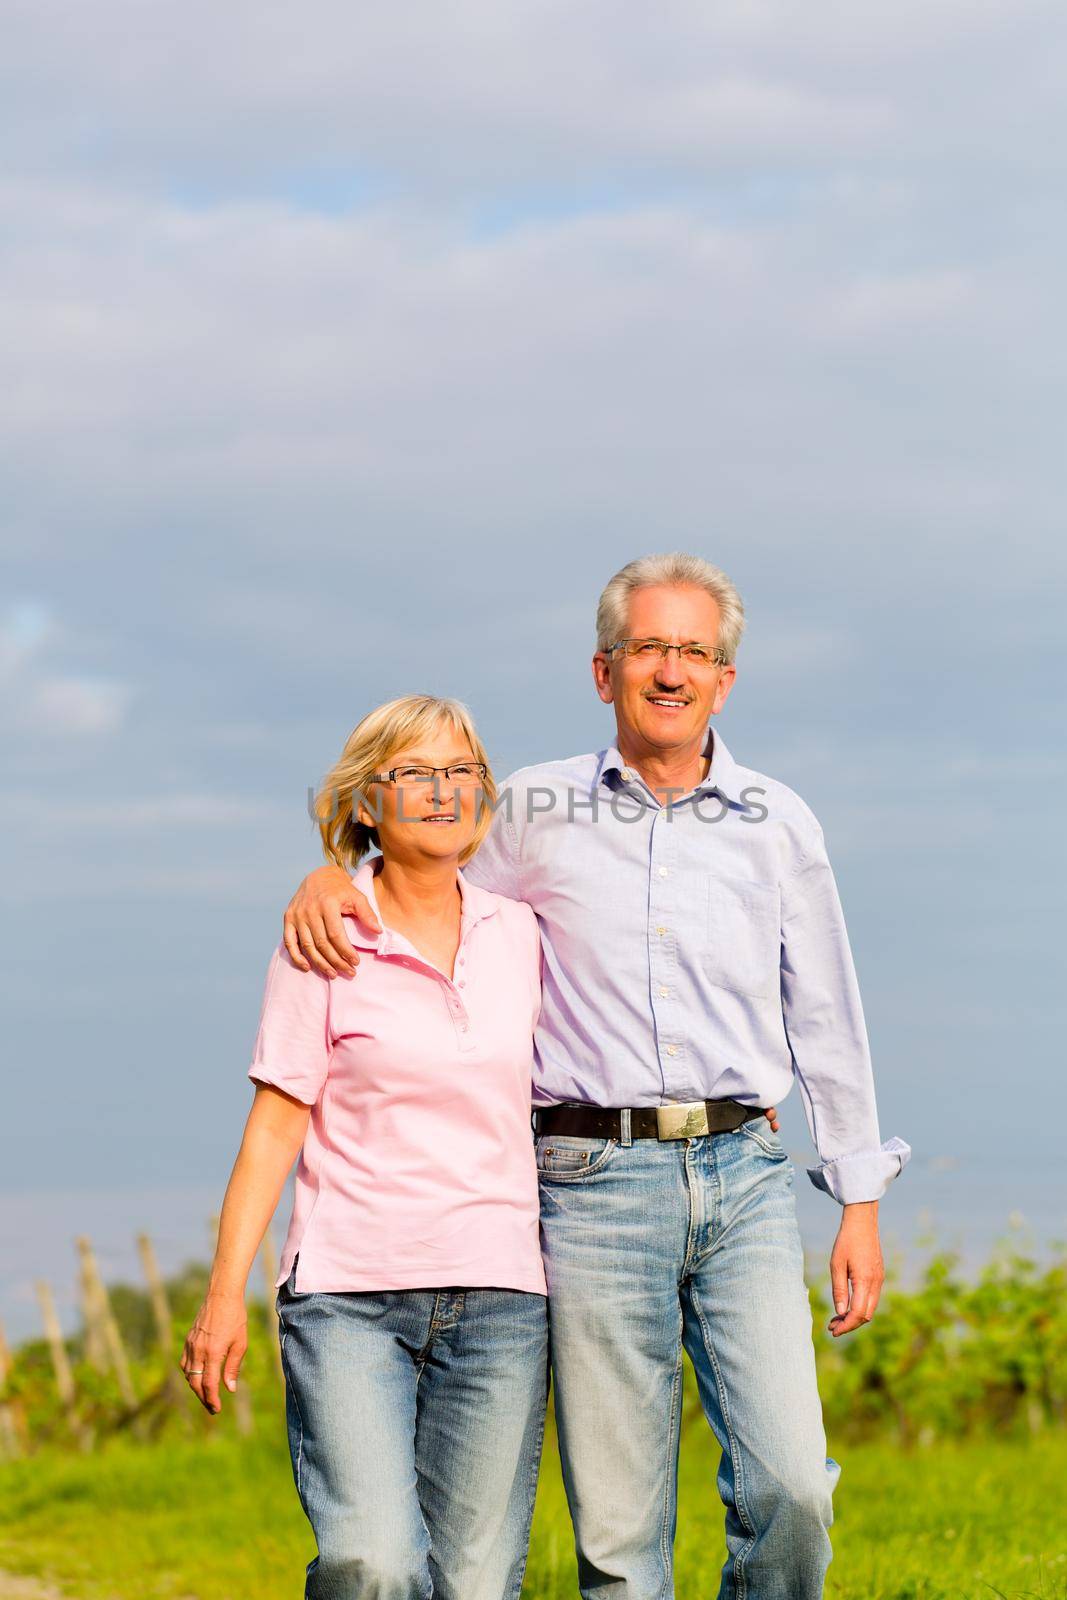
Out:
{"x": 683, "y": 1121}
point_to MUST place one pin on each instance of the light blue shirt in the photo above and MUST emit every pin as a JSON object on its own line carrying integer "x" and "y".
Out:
{"x": 691, "y": 951}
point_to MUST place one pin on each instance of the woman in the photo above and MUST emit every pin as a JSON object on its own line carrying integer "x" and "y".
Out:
{"x": 411, "y": 1296}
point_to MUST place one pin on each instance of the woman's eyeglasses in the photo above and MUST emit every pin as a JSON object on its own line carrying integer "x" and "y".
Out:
{"x": 462, "y": 772}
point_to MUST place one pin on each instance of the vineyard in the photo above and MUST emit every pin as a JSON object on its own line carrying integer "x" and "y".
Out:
{"x": 947, "y": 1358}
{"x": 947, "y": 1413}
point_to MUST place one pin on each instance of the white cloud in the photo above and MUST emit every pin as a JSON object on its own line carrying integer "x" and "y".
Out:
{"x": 76, "y": 705}
{"x": 258, "y": 360}
{"x": 39, "y": 701}
{"x": 913, "y": 300}
{"x": 129, "y": 813}
{"x": 481, "y": 96}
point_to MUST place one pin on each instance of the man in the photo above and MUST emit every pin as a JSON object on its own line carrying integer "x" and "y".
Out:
{"x": 695, "y": 961}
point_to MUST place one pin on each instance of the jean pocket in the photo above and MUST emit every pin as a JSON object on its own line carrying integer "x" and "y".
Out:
{"x": 568, "y": 1157}
{"x": 761, "y": 1134}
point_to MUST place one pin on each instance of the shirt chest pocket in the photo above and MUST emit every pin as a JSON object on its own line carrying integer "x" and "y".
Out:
{"x": 744, "y": 936}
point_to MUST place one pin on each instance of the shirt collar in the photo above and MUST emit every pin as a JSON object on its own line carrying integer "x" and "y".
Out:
{"x": 722, "y": 773}
{"x": 477, "y": 904}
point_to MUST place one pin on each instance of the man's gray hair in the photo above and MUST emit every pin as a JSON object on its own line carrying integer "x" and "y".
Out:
{"x": 676, "y": 570}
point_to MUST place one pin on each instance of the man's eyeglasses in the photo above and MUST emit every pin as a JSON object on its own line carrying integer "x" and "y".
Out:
{"x": 696, "y": 655}
{"x": 462, "y": 772}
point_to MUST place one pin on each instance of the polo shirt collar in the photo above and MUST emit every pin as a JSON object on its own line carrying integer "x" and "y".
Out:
{"x": 722, "y": 773}
{"x": 477, "y": 904}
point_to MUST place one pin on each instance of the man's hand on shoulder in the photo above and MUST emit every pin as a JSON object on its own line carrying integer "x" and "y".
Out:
{"x": 856, "y": 1264}
{"x": 314, "y": 933}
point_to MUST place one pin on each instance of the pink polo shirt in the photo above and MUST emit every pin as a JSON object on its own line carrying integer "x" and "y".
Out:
{"x": 418, "y": 1166}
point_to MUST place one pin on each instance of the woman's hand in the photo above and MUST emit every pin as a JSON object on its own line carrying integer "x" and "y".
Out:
{"x": 214, "y": 1348}
{"x": 771, "y": 1113}
{"x": 313, "y": 931}
{"x": 218, "y": 1338}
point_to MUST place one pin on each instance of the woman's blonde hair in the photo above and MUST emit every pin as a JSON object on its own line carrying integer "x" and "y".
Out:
{"x": 391, "y": 727}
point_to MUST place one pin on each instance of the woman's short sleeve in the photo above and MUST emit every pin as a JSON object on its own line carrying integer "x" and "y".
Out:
{"x": 292, "y": 1048}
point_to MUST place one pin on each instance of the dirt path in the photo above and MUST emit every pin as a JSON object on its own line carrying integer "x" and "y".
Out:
{"x": 13, "y": 1588}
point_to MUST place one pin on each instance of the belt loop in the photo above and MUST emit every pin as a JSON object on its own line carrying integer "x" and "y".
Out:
{"x": 624, "y": 1128}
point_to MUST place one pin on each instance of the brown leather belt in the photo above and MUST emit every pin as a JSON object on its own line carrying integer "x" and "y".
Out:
{"x": 678, "y": 1121}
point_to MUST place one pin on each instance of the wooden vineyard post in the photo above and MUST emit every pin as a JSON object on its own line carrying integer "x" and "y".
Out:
{"x": 97, "y": 1295}
{"x": 95, "y": 1343}
{"x": 61, "y": 1364}
{"x": 164, "y": 1325}
{"x": 13, "y": 1441}
{"x": 156, "y": 1292}
{"x": 241, "y": 1398}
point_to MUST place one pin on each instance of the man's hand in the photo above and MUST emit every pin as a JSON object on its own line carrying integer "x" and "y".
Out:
{"x": 857, "y": 1261}
{"x": 771, "y": 1113}
{"x": 314, "y": 933}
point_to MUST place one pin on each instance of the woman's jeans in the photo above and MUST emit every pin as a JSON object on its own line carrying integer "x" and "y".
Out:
{"x": 415, "y": 1423}
{"x": 655, "y": 1246}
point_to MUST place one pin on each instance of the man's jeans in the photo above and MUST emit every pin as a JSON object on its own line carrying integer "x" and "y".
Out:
{"x": 415, "y": 1422}
{"x": 653, "y": 1246}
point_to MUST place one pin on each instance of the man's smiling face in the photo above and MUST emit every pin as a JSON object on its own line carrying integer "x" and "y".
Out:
{"x": 663, "y": 706}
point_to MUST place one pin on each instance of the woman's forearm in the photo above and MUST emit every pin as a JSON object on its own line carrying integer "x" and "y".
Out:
{"x": 273, "y": 1135}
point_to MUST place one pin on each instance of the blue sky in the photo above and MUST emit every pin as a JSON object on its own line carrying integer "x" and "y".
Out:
{"x": 349, "y": 351}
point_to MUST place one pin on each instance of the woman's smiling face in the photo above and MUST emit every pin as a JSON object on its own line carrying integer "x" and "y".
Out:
{"x": 416, "y": 818}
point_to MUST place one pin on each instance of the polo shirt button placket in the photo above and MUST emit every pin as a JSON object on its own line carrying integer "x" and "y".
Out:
{"x": 660, "y": 953}
{"x": 460, "y": 1017}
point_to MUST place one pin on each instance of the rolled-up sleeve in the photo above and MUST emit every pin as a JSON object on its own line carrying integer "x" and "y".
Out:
{"x": 827, "y": 1037}
{"x": 292, "y": 1048}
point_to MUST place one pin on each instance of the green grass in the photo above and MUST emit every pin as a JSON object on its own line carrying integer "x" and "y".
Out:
{"x": 221, "y": 1521}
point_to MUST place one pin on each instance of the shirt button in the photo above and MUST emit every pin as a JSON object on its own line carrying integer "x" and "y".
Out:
{"x": 672, "y": 1049}
{"x": 664, "y": 993}
{"x": 663, "y": 872}
{"x": 661, "y": 931}
{"x": 625, "y": 774}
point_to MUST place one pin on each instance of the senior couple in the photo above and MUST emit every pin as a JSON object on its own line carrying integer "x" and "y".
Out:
{"x": 646, "y": 942}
